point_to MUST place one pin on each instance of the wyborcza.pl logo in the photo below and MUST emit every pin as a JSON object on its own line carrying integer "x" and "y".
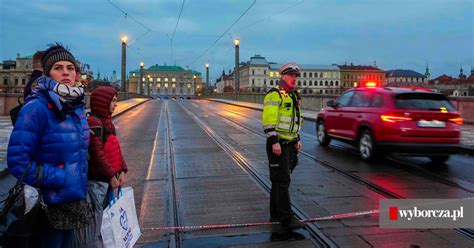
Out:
{"x": 427, "y": 213}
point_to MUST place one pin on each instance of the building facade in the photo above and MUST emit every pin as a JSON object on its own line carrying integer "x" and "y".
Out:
{"x": 165, "y": 81}
{"x": 398, "y": 77}
{"x": 354, "y": 75}
{"x": 258, "y": 75}
{"x": 450, "y": 86}
{"x": 225, "y": 83}
{"x": 14, "y": 74}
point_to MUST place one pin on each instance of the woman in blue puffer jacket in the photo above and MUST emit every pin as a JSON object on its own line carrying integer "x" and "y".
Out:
{"x": 52, "y": 134}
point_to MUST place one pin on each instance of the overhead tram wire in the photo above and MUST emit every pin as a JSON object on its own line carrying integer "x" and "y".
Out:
{"x": 179, "y": 17}
{"x": 225, "y": 32}
{"x": 133, "y": 19}
{"x": 127, "y": 15}
{"x": 270, "y": 16}
{"x": 174, "y": 31}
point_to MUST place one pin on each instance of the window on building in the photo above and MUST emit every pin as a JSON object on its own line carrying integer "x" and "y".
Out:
{"x": 271, "y": 74}
{"x": 264, "y": 72}
{"x": 271, "y": 82}
{"x": 331, "y": 83}
{"x": 158, "y": 80}
{"x": 304, "y": 83}
{"x": 326, "y": 83}
{"x": 5, "y": 81}
{"x": 299, "y": 83}
{"x": 253, "y": 72}
{"x": 337, "y": 83}
{"x": 253, "y": 81}
{"x": 310, "y": 74}
{"x": 264, "y": 81}
{"x": 173, "y": 80}
{"x": 320, "y": 74}
{"x": 16, "y": 81}
{"x": 310, "y": 83}
{"x": 304, "y": 74}
{"x": 23, "y": 81}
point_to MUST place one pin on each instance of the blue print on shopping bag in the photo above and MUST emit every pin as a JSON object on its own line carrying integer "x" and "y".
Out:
{"x": 124, "y": 223}
{"x": 123, "y": 219}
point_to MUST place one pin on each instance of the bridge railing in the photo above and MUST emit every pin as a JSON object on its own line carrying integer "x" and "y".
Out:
{"x": 464, "y": 104}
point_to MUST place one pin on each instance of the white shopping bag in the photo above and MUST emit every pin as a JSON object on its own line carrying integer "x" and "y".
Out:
{"x": 119, "y": 222}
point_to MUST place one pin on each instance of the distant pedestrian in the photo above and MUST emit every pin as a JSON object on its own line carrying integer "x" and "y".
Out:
{"x": 36, "y": 73}
{"x": 107, "y": 167}
{"x": 52, "y": 134}
{"x": 106, "y": 159}
{"x": 282, "y": 122}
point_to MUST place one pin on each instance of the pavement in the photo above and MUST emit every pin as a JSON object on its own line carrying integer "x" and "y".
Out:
{"x": 6, "y": 128}
{"x": 467, "y": 131}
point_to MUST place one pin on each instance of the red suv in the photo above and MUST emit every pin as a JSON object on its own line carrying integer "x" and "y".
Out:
{"x": 387, "y": 119}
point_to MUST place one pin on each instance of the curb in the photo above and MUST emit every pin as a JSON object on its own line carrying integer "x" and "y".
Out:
{"x": 462, "y": 149}
{"x": 127, "y": 109}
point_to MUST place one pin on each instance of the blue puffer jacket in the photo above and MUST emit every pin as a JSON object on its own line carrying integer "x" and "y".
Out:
{"x": 56, "y": 149}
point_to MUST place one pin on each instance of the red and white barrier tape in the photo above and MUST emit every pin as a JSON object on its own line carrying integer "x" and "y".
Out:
{"x": 217, "y": 226}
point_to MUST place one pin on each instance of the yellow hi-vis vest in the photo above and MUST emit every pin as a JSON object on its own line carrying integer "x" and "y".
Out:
{"x": 281, "y": 115}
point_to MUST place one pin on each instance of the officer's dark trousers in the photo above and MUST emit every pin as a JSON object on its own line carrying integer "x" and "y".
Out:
{"x": 280, "y": 203}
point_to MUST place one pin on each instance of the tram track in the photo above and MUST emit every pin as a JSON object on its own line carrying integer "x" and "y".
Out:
{"x": 175, "y": 240}
{"x": 466, "y": 232}
{"x": 317, "y": 237}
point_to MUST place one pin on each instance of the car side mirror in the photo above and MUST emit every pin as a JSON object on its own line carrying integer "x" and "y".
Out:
{"x": 331, "y": 104}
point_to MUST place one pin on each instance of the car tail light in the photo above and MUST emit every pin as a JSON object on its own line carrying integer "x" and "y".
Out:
{"x": 394, "y": 118}
{"x": 457, "y": 120}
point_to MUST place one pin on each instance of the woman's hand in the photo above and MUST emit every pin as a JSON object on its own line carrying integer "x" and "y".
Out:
{"x": 122, "y": 179}
{"x": 114, "y": 183}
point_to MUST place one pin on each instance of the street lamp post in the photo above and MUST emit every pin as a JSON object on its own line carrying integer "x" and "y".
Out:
{"x": 124, "y": 54}
{"x": 207, "y": 77}
{"x": 195, "y": 86}
{"x": 140, "y": 82}
{"x": 236, "y": 69}
{"x": 148, "y": 85}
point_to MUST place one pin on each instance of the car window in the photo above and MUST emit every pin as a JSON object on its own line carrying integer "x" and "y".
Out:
{"x": 423, "y": 101}
{"x": 345, "y": 99}
{"x": 377, "y": 100}
{"x": 361, "y": 99}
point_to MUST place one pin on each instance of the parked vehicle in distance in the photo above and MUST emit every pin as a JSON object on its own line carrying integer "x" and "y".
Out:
{"x": 404, "y": 120}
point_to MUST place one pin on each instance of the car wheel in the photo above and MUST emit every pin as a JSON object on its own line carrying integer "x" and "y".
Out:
{"x": 367, "y": 145}
{"x": 439, "y": 160}
{"x": 323, "y": 137}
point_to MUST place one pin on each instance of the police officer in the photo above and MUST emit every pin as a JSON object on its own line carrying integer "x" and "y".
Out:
{"x": 282, "y": 122}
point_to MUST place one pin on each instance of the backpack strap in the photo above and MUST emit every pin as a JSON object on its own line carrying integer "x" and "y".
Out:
{"x": 99, "y": 131}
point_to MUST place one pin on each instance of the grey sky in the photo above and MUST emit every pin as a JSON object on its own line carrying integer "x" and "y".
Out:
{"x": 404, "y": 34}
